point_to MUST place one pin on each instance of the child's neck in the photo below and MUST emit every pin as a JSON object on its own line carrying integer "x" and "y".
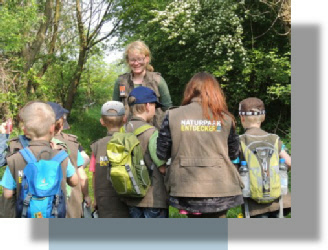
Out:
{"x": 143, "y": 116}
{"x": 253, "y": 126}
{"x": 42, "y": 138}
{"x": 116, "y": 129}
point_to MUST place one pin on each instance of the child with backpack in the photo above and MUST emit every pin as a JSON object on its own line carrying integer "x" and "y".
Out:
{"x": 36, "y": 176}
{"x": 106, "y": 201}
{"x": 260, "y": 152}
{"x": 70, "y": 144}
{"x": 5, "y": 130}
{"x": 153, "y": 203}
{"x": 15, "y": 144}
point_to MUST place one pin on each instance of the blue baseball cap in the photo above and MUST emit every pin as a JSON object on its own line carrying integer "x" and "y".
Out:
{"x": 60, "y": 112}
{"x": 144, "y": 95}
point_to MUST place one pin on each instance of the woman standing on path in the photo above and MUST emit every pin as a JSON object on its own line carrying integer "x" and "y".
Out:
{"x": 138, "y": 57}
{"x": 200, "y": 138}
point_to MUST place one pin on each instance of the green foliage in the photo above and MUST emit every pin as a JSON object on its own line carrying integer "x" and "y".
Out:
{"x": 15, "y": 22}
{"x": 174, "y": 213}
{"x": 234, "y": 212}
{"x": 229, "y": 39}
{"x": 97, "y": 82}
{"x": 86, "y": 125}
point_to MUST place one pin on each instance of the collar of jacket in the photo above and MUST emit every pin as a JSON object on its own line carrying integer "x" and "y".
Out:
{"x": 110, "y": 133}
{"x": 39, "y": 143}
{"x": 135, "y": 118}
{"x": 252, "y": 129}
{"x": 145, "y": 79}
{"x": 196, "y": 99}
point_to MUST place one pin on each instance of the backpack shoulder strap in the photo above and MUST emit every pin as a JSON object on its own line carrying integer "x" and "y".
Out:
{"x": 23, "y": 140}
{"x": 60, "y": 156}
{"x": 28, "y": 155}
{"x": 142, "y": 129}
{"x": 122, "y": 129}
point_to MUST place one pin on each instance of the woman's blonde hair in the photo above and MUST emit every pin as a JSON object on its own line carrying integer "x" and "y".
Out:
{"x": 37, "y": 118}
{"x": 142, "y": 48}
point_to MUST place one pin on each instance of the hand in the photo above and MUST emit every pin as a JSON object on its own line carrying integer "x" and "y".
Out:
{"x": 6, "y": 127}
{"x": 88, "y": 201}
{"x": 162, "y": 169}
{"x": 3, "y": 128}
{"x": 9, "y": 126}
{"x": 54, "y": 145}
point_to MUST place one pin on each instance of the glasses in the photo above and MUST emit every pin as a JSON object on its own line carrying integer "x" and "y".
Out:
{"x": 138, "y": 60}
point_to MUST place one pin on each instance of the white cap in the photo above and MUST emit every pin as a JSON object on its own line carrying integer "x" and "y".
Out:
{"x": 108, "y": 107}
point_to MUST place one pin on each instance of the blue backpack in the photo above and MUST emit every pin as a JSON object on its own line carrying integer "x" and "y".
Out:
{"x": 41, "y": 195}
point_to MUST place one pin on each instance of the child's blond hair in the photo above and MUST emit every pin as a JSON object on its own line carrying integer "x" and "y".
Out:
{"x": 136, "y": 108}
{"x": 112, "y": 122}
{"x": 37, "y": 117}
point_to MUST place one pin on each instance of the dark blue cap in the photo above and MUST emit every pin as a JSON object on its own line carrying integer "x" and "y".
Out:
{"x": 144, "y": 95}
{"x": 60, "y": 112}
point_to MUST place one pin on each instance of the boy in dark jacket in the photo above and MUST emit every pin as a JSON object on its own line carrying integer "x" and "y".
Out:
{"x": 106, "y": 200}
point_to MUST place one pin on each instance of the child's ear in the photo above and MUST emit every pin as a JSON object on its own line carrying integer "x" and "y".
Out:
{"x": 24, "y": 130}
{"x": 52, "y": 131}
{"x": 52, "y": 128}
{"x": 148, "y": 107}
{"x": 124, "y": 119}
{"x": 102, "y": 122}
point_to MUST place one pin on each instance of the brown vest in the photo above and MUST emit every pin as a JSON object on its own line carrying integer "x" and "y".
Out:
{"x": 200, "y": 163}
{"x": 108, "y": 202}
{"x": 7, "y": 206}
{"x": 74, "y": 202}
{"x": 156, "y": 195}
{"x": 257, "y": 208}
{"x": 151, "y": 80}
{"x": 16, "y": 164}
{"x": 14, "y": 145}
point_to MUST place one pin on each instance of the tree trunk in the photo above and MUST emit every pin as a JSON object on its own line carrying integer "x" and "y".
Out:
{"x": 52, "y": 45}
{"x": 87, "y": 41}
{"x": 29, "y": 53}
{"x": 76, "y": 80}
{"x": 82, "y": 58}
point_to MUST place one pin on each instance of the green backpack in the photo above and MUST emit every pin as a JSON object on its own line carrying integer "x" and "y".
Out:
{"x": 262, "y": 157}
{"x": 129, "y": 174}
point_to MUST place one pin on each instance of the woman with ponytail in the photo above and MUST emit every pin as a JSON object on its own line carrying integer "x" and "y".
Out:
{"x": 200, "y": 139}
{"x": 138, "y": 58}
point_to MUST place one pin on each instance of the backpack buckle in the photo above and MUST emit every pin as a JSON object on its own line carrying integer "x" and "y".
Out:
{"x": 27, "y": 200}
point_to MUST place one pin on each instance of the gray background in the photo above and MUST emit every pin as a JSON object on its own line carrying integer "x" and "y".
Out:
{"x": 305, "y": 222}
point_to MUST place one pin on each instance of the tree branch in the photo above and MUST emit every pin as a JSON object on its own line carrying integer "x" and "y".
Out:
{"x": 106, "y": 36}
